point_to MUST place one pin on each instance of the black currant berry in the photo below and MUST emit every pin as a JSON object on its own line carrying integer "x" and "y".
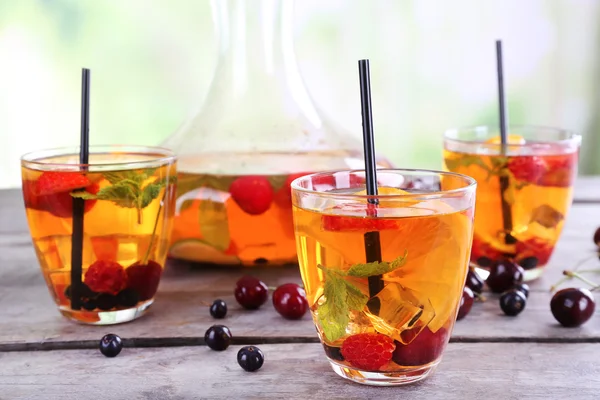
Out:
{"x": 218, "y": 337}
{"x": 111, "y": 345}
{"x": 250, "y": 358}
{"x": 218, "y": 309}
{"x": 513, "y": 302}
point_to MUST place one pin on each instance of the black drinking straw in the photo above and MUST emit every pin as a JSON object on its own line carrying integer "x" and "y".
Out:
{"x": 78, "y": 204}
{"x": 372, "y": 244}
{"x": 504, "y": 182}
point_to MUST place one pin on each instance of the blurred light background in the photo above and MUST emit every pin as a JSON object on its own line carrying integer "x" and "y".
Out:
{"x": 432, "y": 66}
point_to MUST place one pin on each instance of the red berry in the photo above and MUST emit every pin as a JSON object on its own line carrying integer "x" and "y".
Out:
{"x": 253, "y": 194}
{"x": 105, "y": 277}
{"x": 560, "y": 171}
{"x": 481, "y": 249}
{"x": 504, "y": 274}
{"x": 289, "y": 300}
{"x": 31, "y": 195}
{"x": 597, "y": 237}
{"x": 466, "y": 302}
{"x": 54, "y": 190}
{"x": 534, "y": 247}
{"x": 144, "y": 278}
{"x": 358, "y": 221}
{"x": 368, "y": 351}
{"x": 283, "y": 197}
{"x": 425, "y": 348}
{"x": 572, "y": 307}
{"x": 527, "y": 168}
{"x": 251, "y": 292}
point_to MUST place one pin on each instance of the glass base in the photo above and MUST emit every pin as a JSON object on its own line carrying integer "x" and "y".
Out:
{"x": 532, "y": 274}
{"x": 106, "y": 317}
{"x": 396, "y": 378}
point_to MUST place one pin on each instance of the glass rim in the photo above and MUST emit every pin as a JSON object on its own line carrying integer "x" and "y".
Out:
{"x": 572, "y": 136}
{"x": 470, "y": 185}
{"x": 37, "y": 158}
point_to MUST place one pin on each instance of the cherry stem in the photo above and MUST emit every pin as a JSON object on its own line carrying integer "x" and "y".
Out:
{"x": 479, "y": 297}
{"x": 573, "y": 274}
{"x": 204, "y": 303}
{"x": 271, "y": 288}
{"x": 573, "y": 270}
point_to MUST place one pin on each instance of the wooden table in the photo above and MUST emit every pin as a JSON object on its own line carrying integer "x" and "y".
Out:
{"x": 491, "y": 356}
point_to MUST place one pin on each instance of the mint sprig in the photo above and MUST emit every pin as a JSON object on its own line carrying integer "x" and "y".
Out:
{"x": 343, "y": 297}
{"x": 127, "y": 190}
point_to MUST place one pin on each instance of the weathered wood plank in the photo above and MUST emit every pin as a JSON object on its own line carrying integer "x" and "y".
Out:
{"x": 177, "y": 318}
{"x": 297, "y": 371}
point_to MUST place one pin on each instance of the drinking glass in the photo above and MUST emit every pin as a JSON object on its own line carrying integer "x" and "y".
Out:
{"x": 524, "y": 191}
{"x": 384, "y": 281}
{"x": 109, "y": 271}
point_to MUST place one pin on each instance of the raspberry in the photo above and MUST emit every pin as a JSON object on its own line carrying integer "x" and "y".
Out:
{"x": 253, "y": 194}
{"x": 144, "y": 279}
{"x": 527, "y": 168}
{"x": 105, "y": 277}
{"x": 561, "y": 171}
{"x": 368, "y": 351}
{"x": 535, "y": 247}
{"x": 426, "y": 347}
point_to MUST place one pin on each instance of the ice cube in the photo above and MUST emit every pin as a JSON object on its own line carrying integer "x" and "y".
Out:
{"x": 400, "y": 309}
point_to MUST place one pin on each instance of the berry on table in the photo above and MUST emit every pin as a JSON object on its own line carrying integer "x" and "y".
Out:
{"x": 597, "y": 237}
{"x": 253, "y": 194}
{"x": 368, "y": 351}
{"x": 572, "y": 307}
{"x": 289, "y": 301}
{"x": 111, "y": 345}
{"x": 251, "y": 292}
{"x": 218, "y": 309}
{"x": 504, "y": 274}
{"x": 474, "y": 281}
{"x": 218, "y": 337}
{"x": 250, "y": 358}
{"x": 466, "y": 302}
{"x": 512, "y": 302}
{"x": 523, "y": 288}
{"x": 105, "y": 277}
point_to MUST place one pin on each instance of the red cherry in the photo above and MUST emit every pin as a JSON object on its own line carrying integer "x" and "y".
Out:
{"x": 253, "y": 194}
{"x": 144, "y": 278}
{"x": 250, "y": 292}
{"x": 425, "y": 348}
{"x": 289, "y": 300}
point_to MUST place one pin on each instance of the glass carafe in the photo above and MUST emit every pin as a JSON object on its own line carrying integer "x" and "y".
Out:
{"x": 256, "y": 131}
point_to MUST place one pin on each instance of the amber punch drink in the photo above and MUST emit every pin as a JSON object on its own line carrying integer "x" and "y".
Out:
{"x": 523, "y": 192}
{"x": 387, "y": 322}
{"x": 128, "y": 195}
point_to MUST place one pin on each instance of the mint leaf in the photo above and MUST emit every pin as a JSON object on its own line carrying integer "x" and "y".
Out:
{"x": 333, "y": 314}
{"x": 122, "y": 194}
{"x": 356, "y": 299}
{"x": 150, "y": 192}
{"x": 376, "y": 268}
{"x": 465, "y": 161}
